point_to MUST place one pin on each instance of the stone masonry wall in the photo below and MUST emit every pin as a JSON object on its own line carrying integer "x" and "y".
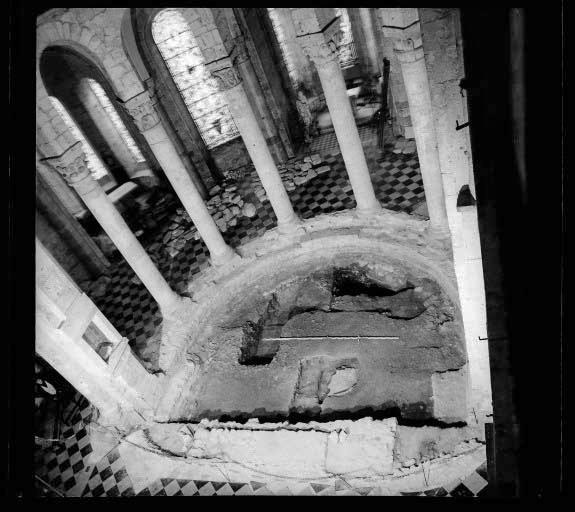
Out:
{"x": 96, "y": 34}
{"x": 60, "y": 249}
{"x": 445, "y": 67}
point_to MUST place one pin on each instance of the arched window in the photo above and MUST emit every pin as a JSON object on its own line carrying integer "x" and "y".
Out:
{"x": 95, "y": 165}
{"x": 206, "y": 105}
{"x": 106, "y": 104}
{"x": 347, "y": 54}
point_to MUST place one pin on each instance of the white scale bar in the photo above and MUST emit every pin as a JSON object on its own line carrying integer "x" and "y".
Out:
{"x": 335, "y": 337}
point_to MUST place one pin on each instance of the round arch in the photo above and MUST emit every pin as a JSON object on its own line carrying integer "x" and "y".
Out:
{"x": 140, "y": 48}
{"x": 108, "y": 57}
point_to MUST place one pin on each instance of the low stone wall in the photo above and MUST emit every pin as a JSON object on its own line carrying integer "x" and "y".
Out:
{"x": 360, "y": 449}
{"x": 356, "y": 455}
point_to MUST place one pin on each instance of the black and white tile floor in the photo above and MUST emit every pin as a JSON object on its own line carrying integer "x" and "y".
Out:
{"x": 65, "y": 467}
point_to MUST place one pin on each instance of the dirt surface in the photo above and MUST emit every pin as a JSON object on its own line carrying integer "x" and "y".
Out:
{"x": 276, "y": 353}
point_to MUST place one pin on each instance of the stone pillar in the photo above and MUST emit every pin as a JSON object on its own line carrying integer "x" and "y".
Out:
{"x": 75, "y": 338}
{"x": 72, "y": 166}
{"x": 69, "y": 228}
{"x": 230, "y": 83}
{"x": 106, "y": 127}
{"x": 321, "y": 47}
{"x": 403, "y": 26}
{"x": 143, "y": 110}
{"x": 370, "y": 41}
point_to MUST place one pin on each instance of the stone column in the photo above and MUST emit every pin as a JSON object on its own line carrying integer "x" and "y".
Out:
{"x": 72, "y": 166}
{"x": 69, "y": 228}
{"x": 106, "y": 127}
{"x": 143, "y": 110}
{"x": 370, "y": 41}
{"x": 321, "y": 47}
{"x": 230, "y": 83}
{"x": 409, "y": 51}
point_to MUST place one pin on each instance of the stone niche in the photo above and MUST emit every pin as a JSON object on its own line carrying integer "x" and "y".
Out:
{"x": 344, "y": 338}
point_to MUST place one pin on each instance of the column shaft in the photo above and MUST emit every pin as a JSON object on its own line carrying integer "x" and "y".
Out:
{"x": 262, "y": 159}
{"x": 189, "y": 195}
{"x": 143, "y": 110}
{"x": 370, "y": 42}
{"x": 419, "y": 99}
{"x": 116, "y": 228}
{"x": 347, "y": 135}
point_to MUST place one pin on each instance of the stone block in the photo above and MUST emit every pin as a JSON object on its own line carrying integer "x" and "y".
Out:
{"x": 249, "y": 210}
{"x": 367, "y": 450}
{"x": 449, "y": 395}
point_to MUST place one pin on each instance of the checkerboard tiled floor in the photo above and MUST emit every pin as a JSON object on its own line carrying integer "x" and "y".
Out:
{"x": 61, "y": 463}
{"x": 109, "y": 478}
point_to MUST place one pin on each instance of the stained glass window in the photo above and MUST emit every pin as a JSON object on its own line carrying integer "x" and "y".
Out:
{"x": 106, "y": 104}
{"x": 200, "y": 93}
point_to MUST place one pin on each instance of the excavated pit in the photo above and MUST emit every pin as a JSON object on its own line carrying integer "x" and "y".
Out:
{"x": 343, "y": 342}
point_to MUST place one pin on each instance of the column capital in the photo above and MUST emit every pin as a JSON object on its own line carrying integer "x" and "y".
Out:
{"x": 320, "y": 49}
{"x": 225, "y": 73}
{"x": 321, "y": 46}
{"x": 409, "y": 50}
{"x": 142, "y": 109}
{"x": 72, "y": 164}
{"x": 225, "y": 70}
{"x": 404, "y": 27}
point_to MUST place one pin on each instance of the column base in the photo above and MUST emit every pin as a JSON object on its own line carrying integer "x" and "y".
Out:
{"x": 292, "y": 227}
{"x": 224, "y": 258}
{"x": 368, "y": 211}
{"x": 172, "y": 310}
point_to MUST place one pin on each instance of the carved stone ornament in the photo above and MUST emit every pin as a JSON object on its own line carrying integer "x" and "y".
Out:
{"x": 332, "y": 33}
{"x": 317, "y": 48}
{"x": 72, "y": 164}
{"x": 142, "y": 110}
{"x": 226, "y": 77}
{"x": 409, "y": 50}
